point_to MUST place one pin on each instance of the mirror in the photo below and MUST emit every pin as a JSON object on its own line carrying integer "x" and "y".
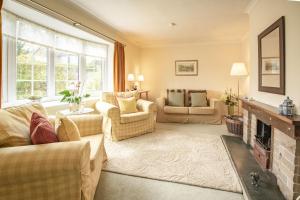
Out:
{"x": 271, "y": 59}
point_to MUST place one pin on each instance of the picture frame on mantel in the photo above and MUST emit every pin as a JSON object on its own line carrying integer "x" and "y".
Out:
{"x": 186, "y": 67}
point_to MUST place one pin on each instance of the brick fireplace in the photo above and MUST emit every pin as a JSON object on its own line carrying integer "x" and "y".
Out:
{"x": 284, "y": 161}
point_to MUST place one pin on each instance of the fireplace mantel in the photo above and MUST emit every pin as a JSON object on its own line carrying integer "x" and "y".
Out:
{"x": 269, "y": 115}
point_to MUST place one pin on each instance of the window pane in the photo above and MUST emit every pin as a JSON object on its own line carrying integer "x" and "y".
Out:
{"x": 31, "y": 67}
{"x": 24, "y": 72}
{"x": 40, "y": 88}
{"x": 23, "y": 89}
{"x": 94, "y": 74}
{"x": 66, "y": 70}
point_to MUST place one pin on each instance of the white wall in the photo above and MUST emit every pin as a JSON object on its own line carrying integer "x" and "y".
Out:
{"x": 262, "y": 15}
{"x": 214, "y": 65}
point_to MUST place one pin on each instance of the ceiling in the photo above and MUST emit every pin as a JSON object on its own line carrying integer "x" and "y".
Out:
{"x": 147, "y": 22}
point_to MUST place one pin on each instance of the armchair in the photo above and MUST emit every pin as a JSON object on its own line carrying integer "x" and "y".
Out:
{"x": 117, "y": 126}
{"x": 63, "y": 170}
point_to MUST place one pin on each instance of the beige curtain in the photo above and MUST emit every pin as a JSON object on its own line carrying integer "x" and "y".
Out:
{"x": 1, "y": 4}
{"x": 119, "y": 67}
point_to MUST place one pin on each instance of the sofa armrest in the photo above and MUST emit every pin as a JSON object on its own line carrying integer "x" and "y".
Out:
{"x": 217, "y": 104}
{"x": 50, "y": 167}
{"x": 161, "y": 102}
{"x": 146, "y": 106}
{"x": 88, "y": 124}
{"x": 108, "y": 110}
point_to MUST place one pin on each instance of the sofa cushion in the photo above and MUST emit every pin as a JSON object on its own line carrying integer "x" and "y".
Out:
{"x": 201, "y": 110}
{"x": 176, "y": 110}
{"x": 111, "y": 97}
{"x": 41, "y": 130}
{"x": 176, "y": 98}
{"x": 67, "y": 130}
{"x": 14, "y": 130}
{"x": 190, "y": 92}
{"x": 96, "y": 143}
{"x": 25, "y": 111}
{"x": 134, "y": 117}
{"x": 127, "y": 105}
{"x": 199, "y": 99}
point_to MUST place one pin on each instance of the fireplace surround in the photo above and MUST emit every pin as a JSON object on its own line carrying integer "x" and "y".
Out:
{"x": 283, "y": 148}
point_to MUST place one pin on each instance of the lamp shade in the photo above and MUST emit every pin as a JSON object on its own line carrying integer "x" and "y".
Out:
{"x": 141, "y": 77}
{"x": 130, "y": 77}
{"x": 238, "y": 69}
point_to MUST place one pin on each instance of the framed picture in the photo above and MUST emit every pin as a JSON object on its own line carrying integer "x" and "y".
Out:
{"x": 186, "y": 67}
{"x": 270, "y": 66}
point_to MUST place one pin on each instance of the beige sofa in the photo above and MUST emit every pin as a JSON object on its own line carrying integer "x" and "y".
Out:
{"x": 117, "y": 126}
{"x": 63, "y": 170}
{"x": 211, "y": 114}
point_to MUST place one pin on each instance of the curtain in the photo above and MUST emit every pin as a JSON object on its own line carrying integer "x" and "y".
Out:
{"x": 1, "y": 4}
{"x": 119, "y": 67}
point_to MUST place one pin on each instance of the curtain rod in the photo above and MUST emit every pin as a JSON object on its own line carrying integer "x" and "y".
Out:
{"x": 73, "y": 22}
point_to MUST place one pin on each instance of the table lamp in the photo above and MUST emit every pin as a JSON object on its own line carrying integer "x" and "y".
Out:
{"x": 238, "y": 69}
{"x": 131, "y": 79}
{"x": 141, "y": 79}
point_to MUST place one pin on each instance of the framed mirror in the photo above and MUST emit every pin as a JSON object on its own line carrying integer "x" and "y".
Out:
{"x": 271, "y": 58}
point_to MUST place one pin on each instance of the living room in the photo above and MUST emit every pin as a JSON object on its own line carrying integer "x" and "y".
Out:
{"x": 150, "y": 99}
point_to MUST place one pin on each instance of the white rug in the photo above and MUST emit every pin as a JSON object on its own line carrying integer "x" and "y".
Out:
{"x": 184, "y": 153}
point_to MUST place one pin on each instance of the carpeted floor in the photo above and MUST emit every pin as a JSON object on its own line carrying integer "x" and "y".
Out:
{"x": 192, "y": 154}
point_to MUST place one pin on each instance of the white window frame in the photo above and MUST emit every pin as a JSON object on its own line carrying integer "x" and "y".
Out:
{"x": 10, "y": 75}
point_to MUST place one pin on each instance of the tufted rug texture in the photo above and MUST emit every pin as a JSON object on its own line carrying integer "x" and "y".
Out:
{"x": 191, "y": 154}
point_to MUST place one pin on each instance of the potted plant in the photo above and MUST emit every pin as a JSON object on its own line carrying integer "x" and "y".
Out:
{"x": 231, "y": 100}
{"x": 233, "y": 122}
{"x": 73, "y": 96}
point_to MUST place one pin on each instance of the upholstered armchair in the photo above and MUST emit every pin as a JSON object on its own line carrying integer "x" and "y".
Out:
{"x": 117, "y": 126}
{"x": 62, "y": 170}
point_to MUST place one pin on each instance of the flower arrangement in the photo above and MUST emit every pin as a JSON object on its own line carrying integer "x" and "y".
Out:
{"x": 230, "y": 99}
{"x": 74, "y": 96}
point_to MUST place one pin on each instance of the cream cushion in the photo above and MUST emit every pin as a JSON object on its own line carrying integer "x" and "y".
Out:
{"x": 14, "y": 130}
{"x": 67, "y": 130}
{"x": 127, "y": 105}
{"x": 134, "y": 117}
{"x": 176, "y": 110}
{"x": 201, "y": 110}
{"x": 111, "y": 97}
{"x": 199, "y": 99}
{"x": 176, "y": 98}
{"x": 96, "y": 143}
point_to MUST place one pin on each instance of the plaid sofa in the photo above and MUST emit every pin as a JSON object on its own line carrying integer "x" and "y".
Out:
{"x": 118, "y": 126}
{"x": 63, "y": 170}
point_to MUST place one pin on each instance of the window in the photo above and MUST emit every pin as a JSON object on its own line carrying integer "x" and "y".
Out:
{"x": 43, "y": 62}
{"x": 66, "y": 70}
{"x": 31, "y": 70}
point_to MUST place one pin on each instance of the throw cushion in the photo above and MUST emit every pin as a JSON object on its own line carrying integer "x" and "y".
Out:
{"x": 176, "y": 98}
{"x": 199, "y": 99}
{"x": 127, "y": 105}
{"x": 67, "y": 130}
{"x": 14, "y": 130}
{"x": 41, "y": 130}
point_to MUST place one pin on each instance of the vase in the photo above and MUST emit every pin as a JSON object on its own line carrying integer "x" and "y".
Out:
{"x": 230, "y": 110}
{"x": 74, "y": 107}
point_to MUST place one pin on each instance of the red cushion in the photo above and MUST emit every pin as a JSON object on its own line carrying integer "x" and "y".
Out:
{"x": 41, "y": 130}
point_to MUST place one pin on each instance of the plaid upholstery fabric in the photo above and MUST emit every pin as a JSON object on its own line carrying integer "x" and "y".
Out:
{"x": 111, "y": 97}
{"x": 115, "y": 130}
{"x": 55, "y": 171}
{"x": 88, "y": 124}
{"x": 48, "y": 171}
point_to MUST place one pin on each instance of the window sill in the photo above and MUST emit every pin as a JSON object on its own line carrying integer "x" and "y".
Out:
{"x": 49, "y": 103}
